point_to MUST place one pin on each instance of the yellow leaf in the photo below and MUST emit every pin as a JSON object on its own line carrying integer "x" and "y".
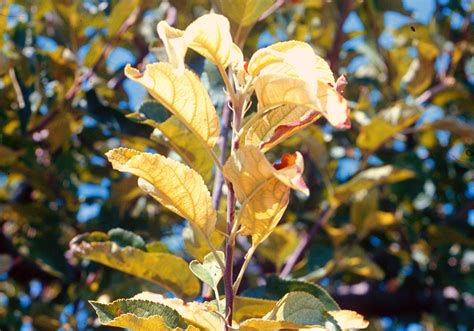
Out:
{"x": 291, "y": 58}
{"x": 190, "y": 150}
{"x": 246, "y": 307}
{"x": 281, "y": 243}
{"x": 183, "y": 95}
{"x": 274, "y": 90}
{"x": 196, "y": 245}
{"x": 209, "y": 35}
{"x": 263, "y": 190}
{"x": 176, "y": 277}
{"x": 385, "y": 125}
{"x": 175, "y": 185}
{"x": 368, "y": 179}
{"x": 348, "y": 319}
{"x": 194, "y": 313}
{"x": 243, "y": 12}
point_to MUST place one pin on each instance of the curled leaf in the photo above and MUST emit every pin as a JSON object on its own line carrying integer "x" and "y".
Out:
{"x": 175, "y": 185}
{"x": 263, "y": 190}
{"x": 209, "y": 35}
{"x": 138, "y": 315}
{"x": 183, "y": 95}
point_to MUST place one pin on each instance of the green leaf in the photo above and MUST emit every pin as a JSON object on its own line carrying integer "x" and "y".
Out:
{"x": 302, "y": 308}
{"x": 281, "y": 287}
{"x": 175, "y": 277}
{"x": 125, "y": 238}
{"x": 138, "y": 315}
{"x": 209, "y": 271}
{"x": 151, "y": 113}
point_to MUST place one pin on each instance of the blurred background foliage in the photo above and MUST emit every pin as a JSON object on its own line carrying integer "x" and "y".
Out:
{"x": 390, "y": 219}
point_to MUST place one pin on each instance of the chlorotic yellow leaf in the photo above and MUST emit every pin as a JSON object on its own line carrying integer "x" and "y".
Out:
{"x": 263, "y": 190}
{"x": 385, "y": 125}
{"x": 274, "y": 90}
{"x": 209, "y": 35}
{"x": 196, "y": 314}
{"x": 348, "y": 319}
{"x": 279, "y": 245}
{"x": 176, "y": 277}
{"x": 243, "y": 12}
{"x": 368, "y": 179}
{"x": 183, "y": 95}
{"x": 246, "y": 308}
{"x": 291, "y": 58}
{"x": 175, "y": 185}
{"x": 139, "y": 315}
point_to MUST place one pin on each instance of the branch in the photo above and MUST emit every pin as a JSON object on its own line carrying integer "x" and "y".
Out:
{"x": 305, "y": 240}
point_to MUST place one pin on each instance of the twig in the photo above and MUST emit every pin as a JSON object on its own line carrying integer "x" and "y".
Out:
{"x": 431, "y": 92}
{"x": 16, "y": 86}
{"x": 224, "y": 138}
{"x": 270, "y": 10}
{"x": 305, "y": 240}
{"x": 333, "y": 54}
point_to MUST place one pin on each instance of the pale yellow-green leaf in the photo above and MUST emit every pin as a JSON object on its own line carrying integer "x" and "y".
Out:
{"x": 175, "y": 185}
{"x": 385, "y": 125}
{"x": 246, "y": 308}
{"x": 368, "y": 179}
{"x": 183, "y": 95}
{"x": 348, "y": 319}
{"x": 243, "y": 12}
{"x": 279, "y": 245}
{"x": 291, "y": 58}
{"x": 176, "y": 277}
{"x": 209, "y": 270}
{"x": 197, "y": 314}
{"x": 139, "y": 315}
{"x": 365, "y": 204}
{"x": 274, "y": 90}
